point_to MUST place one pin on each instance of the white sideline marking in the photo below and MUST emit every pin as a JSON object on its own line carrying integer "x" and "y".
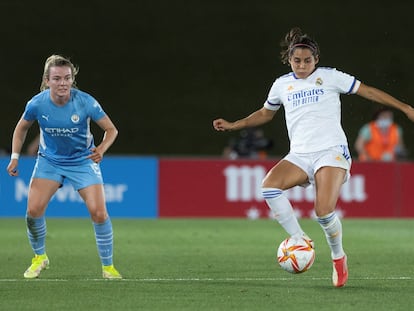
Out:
{"x": 143, "y": 280}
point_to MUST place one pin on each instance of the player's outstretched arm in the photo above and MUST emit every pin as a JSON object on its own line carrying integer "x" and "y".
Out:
{"x": 257, "y": 118}
{"x": 381, "y": 97}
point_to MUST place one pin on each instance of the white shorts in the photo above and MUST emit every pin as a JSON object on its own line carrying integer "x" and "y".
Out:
{"x": 310, "y": 163}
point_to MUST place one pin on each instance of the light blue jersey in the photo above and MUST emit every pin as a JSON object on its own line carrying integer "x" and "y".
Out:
{"x": 65, "y": 136}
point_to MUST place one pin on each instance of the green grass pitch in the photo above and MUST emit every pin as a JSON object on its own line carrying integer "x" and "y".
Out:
{"x": 206, "y": 264}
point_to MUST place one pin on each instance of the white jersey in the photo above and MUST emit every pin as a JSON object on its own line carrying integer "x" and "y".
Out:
{"x": 312, "y": 107}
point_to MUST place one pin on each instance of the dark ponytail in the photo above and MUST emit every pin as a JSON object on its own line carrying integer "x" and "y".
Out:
{"x": 296, "y": 38}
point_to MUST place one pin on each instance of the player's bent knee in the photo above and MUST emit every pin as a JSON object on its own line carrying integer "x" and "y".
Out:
{"x": 99, "y": 216}
{"x": 35, "y": 211}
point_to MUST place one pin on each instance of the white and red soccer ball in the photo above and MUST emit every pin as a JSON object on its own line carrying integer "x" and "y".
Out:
{"x": 295, "y": 255}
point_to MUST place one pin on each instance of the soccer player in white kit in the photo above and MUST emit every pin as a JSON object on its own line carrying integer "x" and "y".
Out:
{"x": 66, "y": 152}
{"x": 318, "y": 146}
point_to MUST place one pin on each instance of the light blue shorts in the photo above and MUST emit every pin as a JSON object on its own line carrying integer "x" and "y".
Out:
{"x": 310, "y": 163}
{"x": 80, "y": 176}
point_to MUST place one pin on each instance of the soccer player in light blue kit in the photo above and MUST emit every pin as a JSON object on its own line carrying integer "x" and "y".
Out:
{"x": 319, "y": 152}
{"x": 66, "y": 152}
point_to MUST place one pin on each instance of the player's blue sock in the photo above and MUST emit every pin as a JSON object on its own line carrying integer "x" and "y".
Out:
{"x": 104, "y": 241}
{"x": 36, "y": 232}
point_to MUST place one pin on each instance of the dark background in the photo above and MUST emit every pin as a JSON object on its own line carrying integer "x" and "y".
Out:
{"x": 164, "y": 69}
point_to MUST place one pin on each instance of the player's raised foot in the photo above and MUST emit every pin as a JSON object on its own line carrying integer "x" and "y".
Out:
{"x": 340, "y": 272}
{"x": 39, "y": 263}
{"x": 109, "y": 272}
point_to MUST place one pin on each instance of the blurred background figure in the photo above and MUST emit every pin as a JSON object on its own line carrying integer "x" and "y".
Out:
{"x": 4, "y": 151}
{"x": 381, "y": 139}
{"x": 33, "y": 146}
{"x": 251, "y": 143}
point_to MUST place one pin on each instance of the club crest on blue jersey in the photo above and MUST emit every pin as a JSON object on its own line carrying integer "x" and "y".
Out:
{"x": 75, "y": 118}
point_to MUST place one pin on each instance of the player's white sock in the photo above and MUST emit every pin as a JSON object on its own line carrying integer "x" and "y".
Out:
{"x": 283, "y": 211}
{"x": 331, "y": 225}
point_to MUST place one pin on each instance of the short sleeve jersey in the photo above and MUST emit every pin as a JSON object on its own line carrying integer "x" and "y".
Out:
{"x": 65, "y": 135}
{"x": 312, "y": 107}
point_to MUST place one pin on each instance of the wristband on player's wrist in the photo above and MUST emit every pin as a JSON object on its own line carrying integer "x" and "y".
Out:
{"x": 15, "y": 156}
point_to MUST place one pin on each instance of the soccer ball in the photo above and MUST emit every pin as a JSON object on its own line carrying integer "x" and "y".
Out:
{"x": 295, "y": 255}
